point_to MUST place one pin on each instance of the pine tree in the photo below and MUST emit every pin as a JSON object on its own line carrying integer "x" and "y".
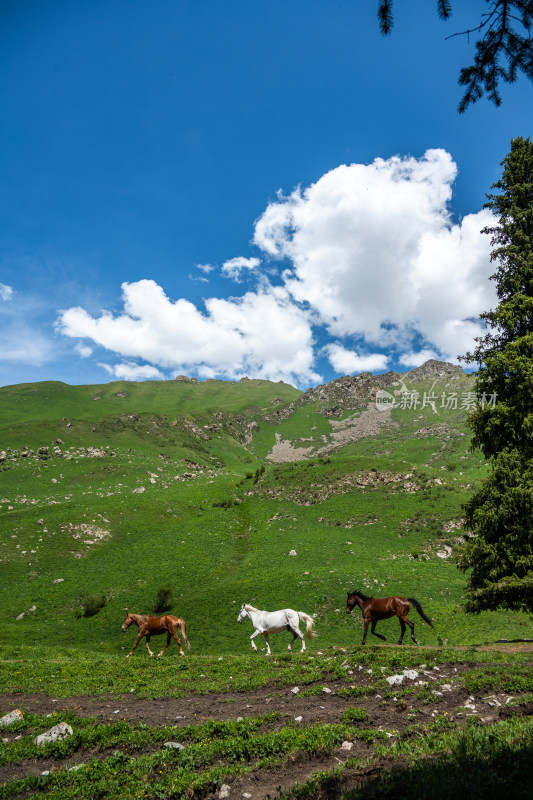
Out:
{"x": 504, "y": 49}
{"x": 500, "y": 514}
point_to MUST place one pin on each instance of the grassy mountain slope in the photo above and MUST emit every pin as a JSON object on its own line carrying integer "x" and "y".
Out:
{"x": 156, "y": 483}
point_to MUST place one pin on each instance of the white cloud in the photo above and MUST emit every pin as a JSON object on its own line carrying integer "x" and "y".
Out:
{"x": 6, "y": 292}
{"x": 375, "y": 254}
{"x": 234, "y": 267}
{"x": 261, "y": 334}
{"x": 130, "y": 371}
{"x": 83, "y": 350}
{"x": 416, "y": 359}
{"x": 348, "y": 362}
{"x": 21, "y": 344}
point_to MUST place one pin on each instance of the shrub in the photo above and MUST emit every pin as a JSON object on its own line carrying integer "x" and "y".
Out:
{"x": 92, "y": 603}
{"x": 162, "y": 600}
{"x": 351, "y": 714}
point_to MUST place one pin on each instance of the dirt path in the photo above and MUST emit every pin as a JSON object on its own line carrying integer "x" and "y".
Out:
{"x": 391, "y": 715}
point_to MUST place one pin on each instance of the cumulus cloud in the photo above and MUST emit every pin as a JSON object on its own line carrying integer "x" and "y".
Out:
{"x": 368, "y": 254}
{"x": 84, "y": 350}
{"x": 130, "y": 371}
{"x": 6, "y": 292}
{"x": 261, "y": 334}
{"x": 374, "y": 252}
{"x": 346, "y": 361}
{"x": 235, "y": 266}
{"x": 416, "y": 359}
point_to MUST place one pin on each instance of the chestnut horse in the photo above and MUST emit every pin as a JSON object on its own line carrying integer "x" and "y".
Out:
{"x": 376, "y": 608}
{"x": 153, "y": 626}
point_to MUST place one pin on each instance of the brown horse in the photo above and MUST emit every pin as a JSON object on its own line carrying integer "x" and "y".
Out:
{"x": 153, "y": 626}
{"x": 376, "y": 608}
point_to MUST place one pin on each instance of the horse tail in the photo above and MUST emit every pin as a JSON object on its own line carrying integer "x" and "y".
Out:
{"x": 418, "y": 607}
{"x": 183, "y": 627}
{"x": 309, "y": 622}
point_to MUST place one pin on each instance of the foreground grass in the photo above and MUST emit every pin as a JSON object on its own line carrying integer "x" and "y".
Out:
{"x": 66, "y": 673}
{"x": 118, "y": 759}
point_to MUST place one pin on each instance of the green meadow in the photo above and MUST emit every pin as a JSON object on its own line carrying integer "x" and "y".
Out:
{"x": 216, "y": 520}
{"x": 111, "y": 494}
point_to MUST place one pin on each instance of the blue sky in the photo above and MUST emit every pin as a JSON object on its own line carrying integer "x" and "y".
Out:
{"x": 222, "y": 189}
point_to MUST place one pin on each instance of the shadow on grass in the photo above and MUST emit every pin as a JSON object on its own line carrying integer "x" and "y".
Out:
{"x": 507, "y": 774}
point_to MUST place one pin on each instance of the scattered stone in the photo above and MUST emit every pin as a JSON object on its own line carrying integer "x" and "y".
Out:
{"x": 298, "y": 719}
{"x": 326, "y": 690}
{"x": 174, "y": 745}
{"x": 55, "y": 734}
{"x": 58, "y": 580}
{"x": 412, "y": 674}
{"x": 139, "y": 490}
{"x": 20, "y": 616}
{"x": 292, "y": 553}
{"x": 13, "y": 716}
{"x": 395, "y": 680}
{"x": 346, "y": 745}
{"x": 295, "y": 689}
{"x": 224, "y": 791}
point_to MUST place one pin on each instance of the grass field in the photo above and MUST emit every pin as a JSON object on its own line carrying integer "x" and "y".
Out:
{"x": 123, "y": 489}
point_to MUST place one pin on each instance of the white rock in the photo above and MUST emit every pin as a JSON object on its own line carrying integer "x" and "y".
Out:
{"x": 298, "y": 719}
{"x": 139, "y": 490}
{"x": 9, "y": 719}
{"x": 412, "y": 674}
{"x": 292, "y": 553}
{"x": 58, "y": 580}
{"x": 326, "y": 690}
{"x": 295, "y": 689}
{"x": 174, "y": 745}
{"x": 394, "y": 680}
{"x": 224, "y": 791}
{"x": 56, "y": 733}
{"x": 346, "y": 745}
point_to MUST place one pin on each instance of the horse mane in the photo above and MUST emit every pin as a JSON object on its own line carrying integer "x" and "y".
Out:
{"x": 248, "y": 607}
{"x": 361, "y": 595}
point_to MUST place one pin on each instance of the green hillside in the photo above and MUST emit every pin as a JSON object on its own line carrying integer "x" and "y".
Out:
{"x": 124, "y": 488}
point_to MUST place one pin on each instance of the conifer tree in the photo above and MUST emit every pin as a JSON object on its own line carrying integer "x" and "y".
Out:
{"x": 504, "y": 47}
{"x": 500, "y": 514}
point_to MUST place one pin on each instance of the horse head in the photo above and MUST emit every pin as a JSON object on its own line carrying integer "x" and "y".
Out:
{"x": 127, "y": 622}
{"x": 352, "y": 601}
{"x": 242, "y": 613}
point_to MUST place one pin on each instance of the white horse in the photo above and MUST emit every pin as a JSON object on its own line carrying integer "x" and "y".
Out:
{"x": 266, "y": 622}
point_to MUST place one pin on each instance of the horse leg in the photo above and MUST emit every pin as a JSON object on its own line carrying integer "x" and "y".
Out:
{"x": 367, "y": 623}
{"x": 148, "y": 645}
{"x": 294, "y": 637}
{"x": 176, "y": 637}
{"x": 373, "y": 630}
{"x": 402, "y": 624}
{"x": 137, "y": 640}
{"x": 267, "y": 644}
{"x": 298, "y": 632}
{"x": 252, "y": 637}
{"x": 165, "y": 647}
{"x": 412, "y": 626}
